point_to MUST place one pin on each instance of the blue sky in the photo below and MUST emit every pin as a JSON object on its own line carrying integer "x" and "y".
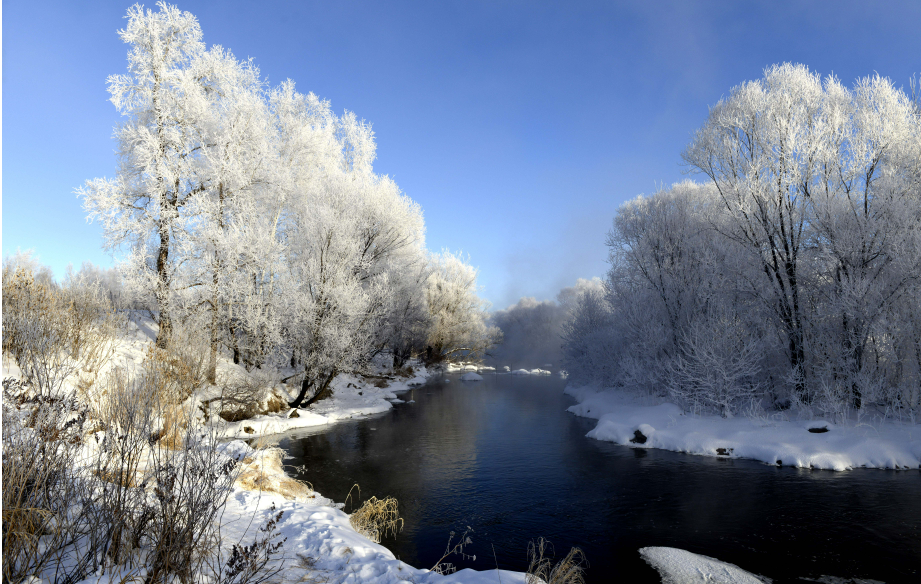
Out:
{"x": 519, "y": 127}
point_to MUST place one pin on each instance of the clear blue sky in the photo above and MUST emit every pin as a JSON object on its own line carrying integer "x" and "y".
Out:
{"x": 519, "y": 127}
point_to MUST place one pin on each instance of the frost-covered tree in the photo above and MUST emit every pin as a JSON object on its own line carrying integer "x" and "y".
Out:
{"x": 160, "y": 145}
{"x": 28, "y": 261}
{"x": 760, "y": 148}
{"x": 351, "y": 239}
{"x": 339, "y": 294}
{"x": 864, "y": 208}
{"x": 229, "y": 240}
{"x": 254, "y": 214}
{"x": 459, "y": 319}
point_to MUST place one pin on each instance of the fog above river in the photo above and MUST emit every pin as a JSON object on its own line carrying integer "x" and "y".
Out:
{"x": 532, "y": 330}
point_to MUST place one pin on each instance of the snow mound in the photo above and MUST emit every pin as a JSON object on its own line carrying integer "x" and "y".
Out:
{"x": 486, "y": 369}
{"x": 682, "y": 567}
{"x": 521, "y": 372}
{"x": 539, "y": 372}
{"x": 471, "y": 377}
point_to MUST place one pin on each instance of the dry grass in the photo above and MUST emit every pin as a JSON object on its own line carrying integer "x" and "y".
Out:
{"x": 178, "y": 370}
{"x": 265, "y": 472}
{"x": 376, "y": 518}
{"x": 541, "y": 569}
{"x": 444, "y": 568}
{"x": 175, "y": 423}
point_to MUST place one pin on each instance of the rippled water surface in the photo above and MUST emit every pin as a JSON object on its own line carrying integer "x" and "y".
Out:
{"x": 505, "y": 458}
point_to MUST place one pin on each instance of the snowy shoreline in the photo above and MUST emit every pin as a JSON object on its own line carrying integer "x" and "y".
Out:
{"x": 777, "y": 440}
{"x": 321, "y": 542}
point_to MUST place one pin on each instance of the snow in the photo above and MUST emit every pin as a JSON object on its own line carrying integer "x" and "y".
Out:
{"x": 521, "y": 372}
{"x": 471, "y": 367}
{"x": 682, "y": 567}
{"x": 777, "y": 439}
{"x": 471, "y": 377}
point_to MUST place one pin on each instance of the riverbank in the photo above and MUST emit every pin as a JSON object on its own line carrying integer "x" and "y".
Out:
{"x": 779, "y": 439}
{"x": 319, "y": 542}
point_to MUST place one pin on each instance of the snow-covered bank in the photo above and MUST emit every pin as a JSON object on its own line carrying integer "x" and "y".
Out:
{"x": 323, "y": 546}
{"x": 353, "y": 396}
{"x": 778, "y": 439}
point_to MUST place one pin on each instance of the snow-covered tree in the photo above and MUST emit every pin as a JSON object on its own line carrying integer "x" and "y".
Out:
{"x": 160, "y": 146}
{"x": 229, "y": 241}
{"x": 793, "y": 271}
{"x": 256, "y": 214}
{"x": 760, "y": 148}
{"x": 459, "y": 319}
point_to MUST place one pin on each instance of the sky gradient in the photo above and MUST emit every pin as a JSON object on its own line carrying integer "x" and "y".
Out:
{"x": 519, "y": 127}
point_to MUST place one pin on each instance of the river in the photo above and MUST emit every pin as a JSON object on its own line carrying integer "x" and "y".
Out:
{"x": 503, "y": 457}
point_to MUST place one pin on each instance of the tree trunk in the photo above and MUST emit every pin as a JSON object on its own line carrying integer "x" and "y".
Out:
{"x": 233, "y": 341}
{"x": 215, "y": 283}
{"x": 212, "y": 358}
{"x": 162, "y": 292}
{"x": 323, "y": 393}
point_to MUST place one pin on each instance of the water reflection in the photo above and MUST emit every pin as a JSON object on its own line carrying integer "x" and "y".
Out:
{"x": 503, "y": 457}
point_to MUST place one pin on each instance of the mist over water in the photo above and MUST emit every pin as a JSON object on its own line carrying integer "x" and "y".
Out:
{"x": 532, "y": 330}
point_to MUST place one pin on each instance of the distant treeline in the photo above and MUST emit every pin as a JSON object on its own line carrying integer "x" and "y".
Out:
{"x": 532, "y": 330}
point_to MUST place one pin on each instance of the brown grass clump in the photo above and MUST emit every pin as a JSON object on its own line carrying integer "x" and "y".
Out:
{"x": 266, "y": 473}
{"x": 541, "y": 569}
{"x": 175, "y": 423}
{"x": 376, "y": 518}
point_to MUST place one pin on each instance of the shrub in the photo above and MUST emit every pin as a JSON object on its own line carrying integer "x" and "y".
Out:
{"x": 45, "y": 505}
{"x": 245, "y": 396}
{"x": 153, "y": 447}
{"x": 53, "y": 332}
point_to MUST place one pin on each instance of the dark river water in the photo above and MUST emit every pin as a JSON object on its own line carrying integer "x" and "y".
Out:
{"x": 503, "y": 457}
